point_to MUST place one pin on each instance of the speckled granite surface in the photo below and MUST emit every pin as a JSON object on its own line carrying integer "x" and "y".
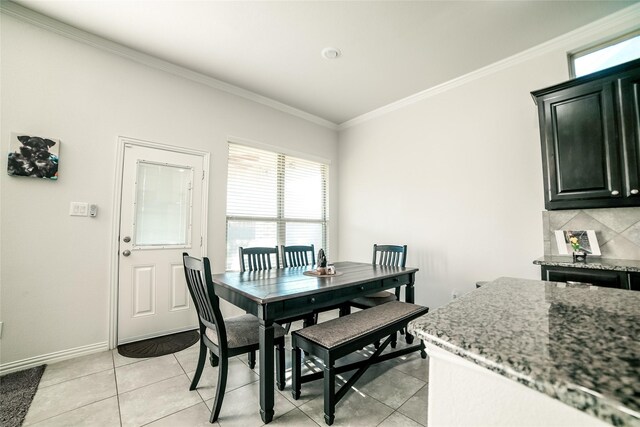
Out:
{"x": 595, "y": 263}
{"x": 578, "y": 344}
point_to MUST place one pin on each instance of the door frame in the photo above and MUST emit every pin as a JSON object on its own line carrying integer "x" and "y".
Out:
{"x": 114, "y": 256}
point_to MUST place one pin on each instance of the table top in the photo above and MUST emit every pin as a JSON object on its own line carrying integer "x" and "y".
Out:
{"x": 278, "y": 284}
{"x": 578, "y": 344}
{"x": 593, "y": 263}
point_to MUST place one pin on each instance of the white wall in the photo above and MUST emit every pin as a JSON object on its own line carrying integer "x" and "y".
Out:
{"x": 55, "y": 268}
{"x": 457, "y": 176}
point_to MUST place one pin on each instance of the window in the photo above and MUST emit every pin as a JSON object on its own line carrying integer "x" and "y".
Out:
{"x": 274, "y": 199}
{"x": 605, "y": 55}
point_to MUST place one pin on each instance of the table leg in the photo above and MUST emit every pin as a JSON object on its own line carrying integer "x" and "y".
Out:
{"x": 409, "y": 296}
{"x": 266, "y": 370}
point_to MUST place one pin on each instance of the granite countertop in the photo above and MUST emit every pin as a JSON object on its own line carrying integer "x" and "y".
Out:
{"x": 593, "y": 263}
{"x": 579, "y": 344}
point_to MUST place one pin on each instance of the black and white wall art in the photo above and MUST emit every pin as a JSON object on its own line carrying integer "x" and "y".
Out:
{"x": 33, "y": 156}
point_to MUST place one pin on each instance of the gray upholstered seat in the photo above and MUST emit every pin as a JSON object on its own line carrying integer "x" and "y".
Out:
{"x": 343, "y": 329}
{"x": 242, "y": 331}
{"x": 376, "y": 299}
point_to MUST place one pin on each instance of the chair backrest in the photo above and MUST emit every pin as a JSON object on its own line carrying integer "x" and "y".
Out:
{"x": 298, "y": 256}
{"x": 198, "y": 275}
{"x": 258, "y": 258}
{"x": 390, "y": 255}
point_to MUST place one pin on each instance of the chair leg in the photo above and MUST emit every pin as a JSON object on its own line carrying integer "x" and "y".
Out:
{"x": 202, "y": 357}
{"x": 252, "y": 359}
{"x": 222, "y": 385}
{"x": 308, "y": 321}
{"x": 329, "y": 393}
{"x": 296, "y": 367}
{"x": 394, "y": 339}
{"x": 213, "y": 359}
{"x": 344, "y": 310}
{"x": 280, "y": 379}
{"x": 287, "y": 328}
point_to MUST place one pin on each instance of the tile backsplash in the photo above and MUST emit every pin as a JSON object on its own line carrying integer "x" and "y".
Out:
{"x": 617, "y": 229}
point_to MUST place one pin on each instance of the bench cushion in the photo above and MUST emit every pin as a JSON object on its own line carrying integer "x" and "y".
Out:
{"x": 242, "y": 331}
{"x": 343, "y": 329}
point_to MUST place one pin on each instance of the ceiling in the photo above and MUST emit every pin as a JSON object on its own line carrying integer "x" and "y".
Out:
{"x": 390, "y": 49}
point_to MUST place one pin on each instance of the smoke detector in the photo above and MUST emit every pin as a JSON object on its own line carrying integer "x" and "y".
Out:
{"x": 330, "y": 53}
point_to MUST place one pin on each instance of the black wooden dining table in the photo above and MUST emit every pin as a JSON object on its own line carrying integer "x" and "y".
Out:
{"x": 287, "y": 292}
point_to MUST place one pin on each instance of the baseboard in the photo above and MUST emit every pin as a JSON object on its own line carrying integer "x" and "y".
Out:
{"x": 57, "y": 356}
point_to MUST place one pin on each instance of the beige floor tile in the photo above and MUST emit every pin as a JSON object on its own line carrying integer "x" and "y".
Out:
{"x": 146, "y": 404}
{"x": 355, "y": 409}
{"x": 398, "y": 420}
{"x": 238, "y": 375}
{"x": 389, "y": 386}
{"x": 416, "y": 407}
{"x": 188, "y": 358}
{"x": 194, "y": 416}
{"x": 104, "y": 413}
{"x": 241, "y": 407}
{"x": 56, "y": 373}
{"x": 294, "y": 418}
{"x": 412, "y": 364}
{"x": 143, "y": 373}
{"x": 119, "y": 360}
{"x": 63, "y": 397}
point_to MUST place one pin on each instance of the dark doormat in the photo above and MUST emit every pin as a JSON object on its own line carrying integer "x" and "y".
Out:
{"x": 160, "y": 346}
{"x": 16, "y": 393}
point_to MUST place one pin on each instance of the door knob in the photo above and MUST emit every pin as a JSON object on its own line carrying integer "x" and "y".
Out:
{"x": 615, "y": 192}
{"x": 127, "y": 239}
{"x": 634, "y": 191}
{"x": 126, "y": 253}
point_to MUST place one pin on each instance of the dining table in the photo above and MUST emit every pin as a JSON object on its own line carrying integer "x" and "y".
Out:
{"x": 282, "y": 293}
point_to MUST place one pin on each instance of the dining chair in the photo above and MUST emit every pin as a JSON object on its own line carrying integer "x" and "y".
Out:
{"x": 297, "y": 256}
{"x": 258, "y": 258}
{"x": 224, "y": 338}
{"x": 384, "y": 255}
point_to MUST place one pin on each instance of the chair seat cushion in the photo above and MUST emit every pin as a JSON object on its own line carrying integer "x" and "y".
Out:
{"x": 343, "y": 329}
{"x": 242, "y": 331}
{"x": 376, "y": 299}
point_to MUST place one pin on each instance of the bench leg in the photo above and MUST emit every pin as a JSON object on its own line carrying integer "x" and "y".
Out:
{"x": 329, "y": 393}
{"x": 296, "y": 367}
{"x": 394, "y": 339}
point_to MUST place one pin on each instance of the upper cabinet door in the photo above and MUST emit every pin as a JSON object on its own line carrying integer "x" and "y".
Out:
{"x": 629, "y": 116}
{"x": 580, "y": 144}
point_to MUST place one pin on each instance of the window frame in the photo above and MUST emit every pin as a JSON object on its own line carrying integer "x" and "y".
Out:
{"x": 280, "y": 220}
{"x": 573, "y": 55}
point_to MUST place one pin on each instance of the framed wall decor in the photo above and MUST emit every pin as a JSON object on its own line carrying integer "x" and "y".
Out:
{"x": 33, "y": 156}
{"x": 577, "y": 241}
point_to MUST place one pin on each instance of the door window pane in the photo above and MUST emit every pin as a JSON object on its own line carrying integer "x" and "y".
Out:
{"x": 163, "y": 205}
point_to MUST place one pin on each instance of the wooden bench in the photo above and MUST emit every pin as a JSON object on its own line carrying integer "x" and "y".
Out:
{"x": 342, "y": 336}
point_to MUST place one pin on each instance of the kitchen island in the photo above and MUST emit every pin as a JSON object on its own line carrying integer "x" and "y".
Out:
{"x": 527, "y": 352}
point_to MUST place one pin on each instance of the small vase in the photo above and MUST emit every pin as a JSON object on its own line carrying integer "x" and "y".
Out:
{"x": 579, "y": 257}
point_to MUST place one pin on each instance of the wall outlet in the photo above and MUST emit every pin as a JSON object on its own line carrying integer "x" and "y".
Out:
{"x": 79, "y": 209}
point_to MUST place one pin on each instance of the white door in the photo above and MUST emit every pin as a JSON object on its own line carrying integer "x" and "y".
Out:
{"x": 161, "y": 216}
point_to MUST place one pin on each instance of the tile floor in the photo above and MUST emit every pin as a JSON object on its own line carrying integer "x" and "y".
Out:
{"x": 106, "y": 389}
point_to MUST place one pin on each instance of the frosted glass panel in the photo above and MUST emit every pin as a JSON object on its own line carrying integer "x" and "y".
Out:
{"x": 163, "y": 205}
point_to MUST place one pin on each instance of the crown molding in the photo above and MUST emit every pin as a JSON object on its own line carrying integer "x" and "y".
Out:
{"x": 34, "y": 18}
{"x": 618, "y": 23}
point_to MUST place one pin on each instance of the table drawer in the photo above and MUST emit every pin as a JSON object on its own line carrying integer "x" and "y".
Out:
{"x": 392, "y": 282}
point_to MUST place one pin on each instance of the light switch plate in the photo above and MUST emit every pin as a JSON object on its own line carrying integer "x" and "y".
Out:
{"x": 79, "y": 209}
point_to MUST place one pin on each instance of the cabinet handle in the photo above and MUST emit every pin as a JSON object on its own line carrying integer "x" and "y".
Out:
{"x": 634, "y": 191}
{"x": 615, "y": 192}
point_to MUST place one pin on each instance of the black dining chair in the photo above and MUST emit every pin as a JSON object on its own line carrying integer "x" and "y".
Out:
{"x": 384, "y": 255}
{"x": 258, "y": 258}
{"x": 298, "y": 256}
{"x": 224, "y": 338}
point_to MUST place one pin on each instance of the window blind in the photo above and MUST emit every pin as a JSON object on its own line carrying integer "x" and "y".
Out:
{"x": 274, "y": 199}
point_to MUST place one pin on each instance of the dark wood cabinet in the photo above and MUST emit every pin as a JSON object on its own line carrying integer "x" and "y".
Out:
{"x": 605, "y": 278}
{"x": 589, "y": 131}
